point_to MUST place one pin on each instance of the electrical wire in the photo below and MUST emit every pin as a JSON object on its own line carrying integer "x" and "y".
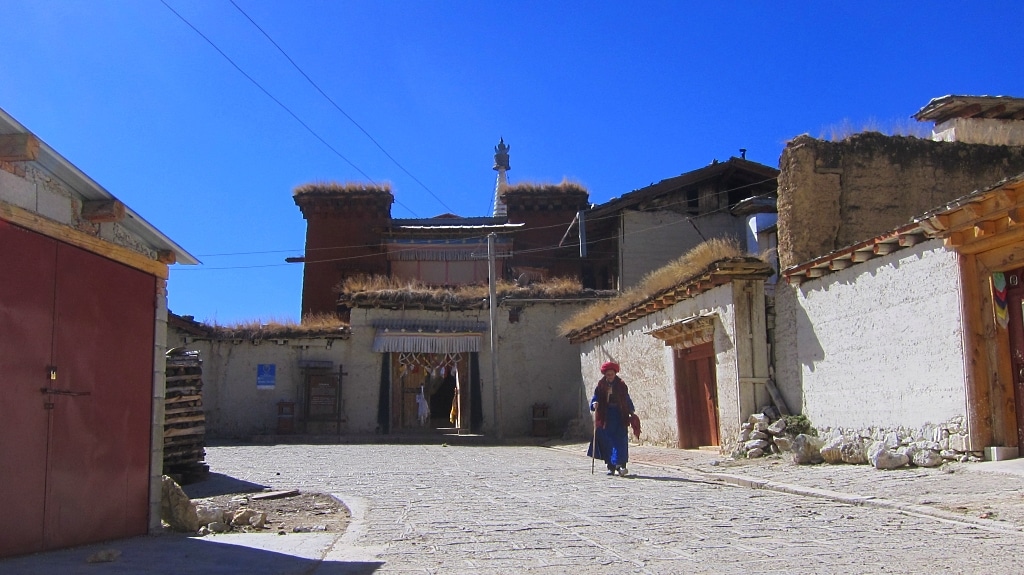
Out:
{"x": 529, "y": 251}
{"x": 338, "y": 108}
{"x": 277, "y": 101}
{"x": 552, "y": 226}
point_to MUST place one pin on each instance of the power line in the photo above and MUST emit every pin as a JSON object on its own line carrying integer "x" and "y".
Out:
{"x": 278, "y": 102}
{"x": 338, "y": 108}
{"x": 688, "y": 219}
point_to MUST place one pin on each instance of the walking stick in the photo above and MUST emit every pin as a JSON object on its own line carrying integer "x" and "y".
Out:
{"x": 593, "y": 445}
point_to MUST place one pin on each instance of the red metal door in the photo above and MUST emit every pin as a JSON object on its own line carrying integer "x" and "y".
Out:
{"x": 103, "y": 342}
{"x": 696, "y": 396}
{"x": 74, "y": 445}
{"x": 26, "y": 324}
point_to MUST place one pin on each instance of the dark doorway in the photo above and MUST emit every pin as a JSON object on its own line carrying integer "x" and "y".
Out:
{"x": 1015, "y": 328}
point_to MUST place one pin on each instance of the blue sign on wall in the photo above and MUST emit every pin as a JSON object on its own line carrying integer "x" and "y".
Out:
{"x": 266, "y": 375}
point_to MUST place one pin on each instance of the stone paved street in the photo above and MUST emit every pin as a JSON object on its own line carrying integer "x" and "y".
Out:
{"x": 437, "y": 509}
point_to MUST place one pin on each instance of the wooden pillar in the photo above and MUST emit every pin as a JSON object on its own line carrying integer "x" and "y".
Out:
{"x": 975, "y": 299}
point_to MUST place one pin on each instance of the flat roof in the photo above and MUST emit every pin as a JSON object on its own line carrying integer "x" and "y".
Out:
{"x": 948, "y": 107}
{"x": 81, "y": 183}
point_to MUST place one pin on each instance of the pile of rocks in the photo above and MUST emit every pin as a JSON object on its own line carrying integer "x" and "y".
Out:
{"x": 180, "y": 513}
{"x": 928, "y": 447}
{"x": 760, "y": 436}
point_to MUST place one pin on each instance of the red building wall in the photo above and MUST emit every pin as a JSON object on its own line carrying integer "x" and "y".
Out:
{"x": 343, "y": 238}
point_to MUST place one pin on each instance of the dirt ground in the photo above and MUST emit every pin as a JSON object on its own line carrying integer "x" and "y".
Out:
{"x": 304, "y": 512}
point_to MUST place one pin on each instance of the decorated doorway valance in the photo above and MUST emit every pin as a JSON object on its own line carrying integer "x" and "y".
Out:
{"x": 688, "y": 332}
{"x": 445, "y": 337}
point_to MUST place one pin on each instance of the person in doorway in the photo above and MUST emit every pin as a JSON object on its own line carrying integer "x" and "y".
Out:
{"x": 613, "y": 409}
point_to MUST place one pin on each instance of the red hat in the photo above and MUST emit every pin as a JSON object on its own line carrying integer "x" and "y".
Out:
{"x": 610, "y": 365}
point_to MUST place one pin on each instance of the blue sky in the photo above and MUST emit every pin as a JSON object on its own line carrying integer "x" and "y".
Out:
{"x": 614, "y": 96}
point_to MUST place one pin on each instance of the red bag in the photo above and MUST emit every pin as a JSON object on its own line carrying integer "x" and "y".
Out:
{"x": 634, "y": 422}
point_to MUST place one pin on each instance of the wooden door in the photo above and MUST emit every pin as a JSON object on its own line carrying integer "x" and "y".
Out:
{"x": 75, "y": 412}
{"x": 1015, "y": 328}
{"x": 696, "y": 396}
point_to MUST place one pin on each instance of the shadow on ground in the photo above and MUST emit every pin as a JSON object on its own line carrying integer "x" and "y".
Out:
{"x": 219, "y": 484}
{"x": 184, "y": 555}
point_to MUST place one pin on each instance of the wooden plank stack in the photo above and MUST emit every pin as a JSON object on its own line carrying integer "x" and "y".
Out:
{"x": 184, "y": 420}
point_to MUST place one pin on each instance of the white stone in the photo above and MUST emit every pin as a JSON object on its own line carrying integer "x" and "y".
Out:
{"x": 958, "y": 442}
{"x": 852, "y": 451}
{"x": 881, "y": 458}
{"x": 755, "y": 444}
{"x": 242, "y": 516}
{"x": 755, "y": 453}
{"x": 783, "y": 443}
{"x": 758, "y": 418}
{"x": 806, "y": 449}
{"x": 259, "y": 520}
{"x": 176, "y": 509}
{"x": 209, "y": 513}
{"x": 927, "y": 458}
{"x": 830, "y": 451}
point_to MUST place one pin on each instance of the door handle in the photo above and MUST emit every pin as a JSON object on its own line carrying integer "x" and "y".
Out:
{"x": 52, "y": 391}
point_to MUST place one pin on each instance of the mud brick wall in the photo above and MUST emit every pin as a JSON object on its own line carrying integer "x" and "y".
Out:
{"x": 834, "y": 194}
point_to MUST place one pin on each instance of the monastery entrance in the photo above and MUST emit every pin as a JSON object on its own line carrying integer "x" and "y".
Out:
{"x": 430, "y": 391}
{"x": 696, "y": 396}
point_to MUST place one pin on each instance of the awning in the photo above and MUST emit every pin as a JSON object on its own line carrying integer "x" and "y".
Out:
{"x": 407, "y": 336}
{"x": 688, "y": 332}
{"x": 426, "y": 342}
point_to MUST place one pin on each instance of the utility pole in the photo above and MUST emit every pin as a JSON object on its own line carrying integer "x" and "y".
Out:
{"x": 492, "y": 289}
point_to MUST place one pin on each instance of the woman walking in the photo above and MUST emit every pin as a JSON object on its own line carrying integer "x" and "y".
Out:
{"x": 612, "y": 409}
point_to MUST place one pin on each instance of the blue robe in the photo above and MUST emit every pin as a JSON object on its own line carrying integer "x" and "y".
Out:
{"x": 613, "y": 438}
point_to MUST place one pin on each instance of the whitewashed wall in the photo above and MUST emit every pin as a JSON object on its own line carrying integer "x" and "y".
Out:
{"x": 535, "y": 365}
{"x": 648, "y": 365}
{"x": 236, "y": 407}
{"x": 879, "y": 344}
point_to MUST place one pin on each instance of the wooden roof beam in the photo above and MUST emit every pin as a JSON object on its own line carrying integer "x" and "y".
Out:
{"x": 18, "y": 147}
{"x": 982, "y": 229}
{"x": 861, "y": 256}
{"x": 1015, "y": 216}
{"x": 994, "y": 111}
{"x": 971, "y": 210}
{"x": 816, "y": 272}
{"x": 911, "y": 239}
{"x": 968, "y": 111}
{"x": 883, "y": 249}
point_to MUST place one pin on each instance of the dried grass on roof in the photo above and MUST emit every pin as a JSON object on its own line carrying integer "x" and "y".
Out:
{"x": 686, "y": 267}
{"x": 566, "y": 186}
{"x": 311, "y": 326}
{"x": 381, "y": 290}
{"x": 340, "y": 188}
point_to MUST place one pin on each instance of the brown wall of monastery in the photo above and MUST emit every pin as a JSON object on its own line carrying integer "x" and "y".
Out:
{"x": 835, "y": 194}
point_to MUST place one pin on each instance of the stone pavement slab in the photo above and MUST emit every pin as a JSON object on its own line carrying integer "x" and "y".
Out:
{"x": 517, "y": 509}
{"x": 987, "y": 494}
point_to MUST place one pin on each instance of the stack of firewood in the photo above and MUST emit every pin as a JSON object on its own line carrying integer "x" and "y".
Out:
{"x": 184, "y": 420}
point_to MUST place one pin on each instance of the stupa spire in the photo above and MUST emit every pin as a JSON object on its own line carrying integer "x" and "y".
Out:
{"x": 501, "y": 166}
